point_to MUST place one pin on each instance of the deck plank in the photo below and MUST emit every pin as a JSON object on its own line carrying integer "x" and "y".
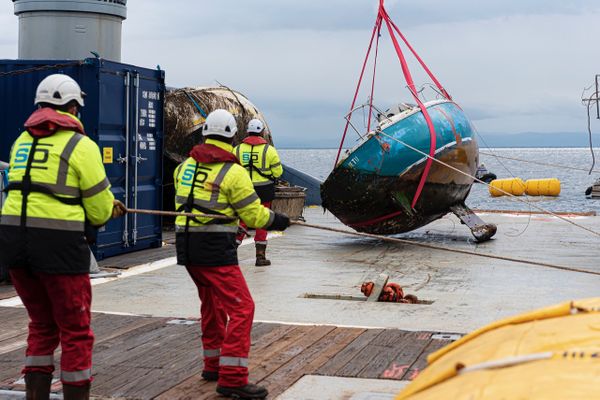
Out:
{"x": 269, "y": 360}
{"x": 345, "y": 357}
{"x": 14, "y": 322}
{"x": 139, "y": 357}
{"x": 194, "y": 387}
{"x": 310, "y": 360}
{"x": 7, "y": 291}
{"x": 138, "y": 350}
{"x": 165, "y": 367}
{"x": 395, "y": 351}
{"x": 421, "y": 362}
{"x": 13, "y": 333}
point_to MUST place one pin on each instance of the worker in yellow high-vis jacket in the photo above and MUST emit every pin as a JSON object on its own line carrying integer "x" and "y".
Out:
{"x": 57, "y": 183}
{"x": 262, "y": 163}
{"x": 212, "y": 181}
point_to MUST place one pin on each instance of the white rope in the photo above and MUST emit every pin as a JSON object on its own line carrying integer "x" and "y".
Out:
{"x": 495, "y": 188}
{"x": 507, "y": 362}
{"x": 539, "y": 163}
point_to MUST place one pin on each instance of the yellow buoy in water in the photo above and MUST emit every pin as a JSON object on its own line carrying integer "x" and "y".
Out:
{"x": 542, "y": 187}
{"x": 514, "y": 186}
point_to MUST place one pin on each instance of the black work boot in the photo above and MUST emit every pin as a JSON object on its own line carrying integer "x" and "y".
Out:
{"x": 37, "y": 385}
{"x": 249, "y": 391}
{"x": 261, "y": 259}
{"x": 210, "y": 375}
{"x": 71, "y": 392}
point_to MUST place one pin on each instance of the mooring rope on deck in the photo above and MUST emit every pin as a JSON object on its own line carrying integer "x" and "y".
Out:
{"x": 436, "y": 247}
{"x": 373, "y": 236}
{"x": 487, "y": 184}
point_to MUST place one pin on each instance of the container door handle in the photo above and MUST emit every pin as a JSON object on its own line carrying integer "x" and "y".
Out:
{"x": 125, "y": 159}
{"x": 136, "y": 84}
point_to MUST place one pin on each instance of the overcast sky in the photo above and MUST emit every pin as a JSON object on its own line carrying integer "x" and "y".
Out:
{"x": 514, "y": 66}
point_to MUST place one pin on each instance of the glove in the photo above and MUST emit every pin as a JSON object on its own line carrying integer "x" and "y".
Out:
{"x": 280, "y": 223}
{"x": 119, "y": 209}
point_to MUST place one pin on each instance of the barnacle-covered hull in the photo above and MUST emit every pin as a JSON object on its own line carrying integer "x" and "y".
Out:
{"x": 371, "y": 190}
{"x": 187, "y": 108}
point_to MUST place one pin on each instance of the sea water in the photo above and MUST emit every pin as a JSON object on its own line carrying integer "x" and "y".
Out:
{"x": 319, "y": 163}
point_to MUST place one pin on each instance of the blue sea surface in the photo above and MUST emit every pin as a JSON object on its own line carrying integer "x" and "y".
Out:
{"x": 319, "y": 163}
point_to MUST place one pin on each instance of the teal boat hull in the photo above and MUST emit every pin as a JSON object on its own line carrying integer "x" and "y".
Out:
{"x": 372, "y": 188}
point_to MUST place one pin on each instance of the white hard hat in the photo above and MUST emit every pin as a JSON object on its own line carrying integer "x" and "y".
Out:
{"x": 255, "y": 126}
{"x": 220, "y": 123}
{"x": 58, "y": 89}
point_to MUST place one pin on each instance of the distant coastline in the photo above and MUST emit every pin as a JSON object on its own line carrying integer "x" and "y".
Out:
{"x": 493, "y": 140}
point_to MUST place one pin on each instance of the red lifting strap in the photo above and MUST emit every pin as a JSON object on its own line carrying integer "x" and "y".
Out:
{"x": 362, "y": 73}
{"x": 425, "y": 68}
{"x": 382, "y": 16}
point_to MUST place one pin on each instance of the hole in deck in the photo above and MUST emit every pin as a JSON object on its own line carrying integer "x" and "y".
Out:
{"x": 323, "y": 296}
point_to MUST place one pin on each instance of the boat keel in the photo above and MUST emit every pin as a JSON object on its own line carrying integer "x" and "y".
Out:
{"x": 480, "y": 230}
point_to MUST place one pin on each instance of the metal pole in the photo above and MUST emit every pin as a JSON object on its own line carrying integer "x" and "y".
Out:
{"x": 597, "y": 102}
{"x": 127, "y": 139}
{"x": 137, "y": 155}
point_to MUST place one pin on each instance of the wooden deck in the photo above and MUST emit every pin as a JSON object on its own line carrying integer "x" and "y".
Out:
{"x": 7, "y": 291}
{"x": 145, "y": 357}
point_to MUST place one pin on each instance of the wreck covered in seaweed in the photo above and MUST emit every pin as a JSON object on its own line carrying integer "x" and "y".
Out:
{"x": 417, "y": 163}
{"x": 187, "y": 108}
{"x": 372, "y": 187}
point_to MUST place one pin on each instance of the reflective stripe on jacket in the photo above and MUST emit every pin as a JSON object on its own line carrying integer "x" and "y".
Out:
{"x": 67, "y": 164}
{"x": 58, "y": 175}
{"x": 219, "y": 187}
{"x": 262, "y": 158}
{"x": 222, "y": 187}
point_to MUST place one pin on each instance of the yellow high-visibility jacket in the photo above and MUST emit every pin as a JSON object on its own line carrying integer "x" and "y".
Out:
{"x": 219, "y": 187}
{"x": 65, "y": 165}
{"x": 261, "y": 161}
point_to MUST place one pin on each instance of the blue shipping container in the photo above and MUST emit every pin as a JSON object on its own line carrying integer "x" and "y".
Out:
{"x": 123, "y": 113}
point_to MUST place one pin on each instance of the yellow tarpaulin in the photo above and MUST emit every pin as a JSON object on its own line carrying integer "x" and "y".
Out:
{"x": 551, "y": 353}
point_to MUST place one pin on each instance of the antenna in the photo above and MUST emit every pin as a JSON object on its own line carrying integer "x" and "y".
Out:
{"x": 587, "y": 102}
{"x": 594, "y": 97}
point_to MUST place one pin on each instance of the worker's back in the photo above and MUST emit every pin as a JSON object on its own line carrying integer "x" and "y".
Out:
{"x": 56, "y": 182}
{"x": 64, "y": 163}
{"x": 220, "y": 187}
{"x": 260, "y": 160}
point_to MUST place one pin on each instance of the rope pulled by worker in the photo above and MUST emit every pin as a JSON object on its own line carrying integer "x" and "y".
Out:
{"x": 391, "y": 293}
{"x": 383, "y": 238}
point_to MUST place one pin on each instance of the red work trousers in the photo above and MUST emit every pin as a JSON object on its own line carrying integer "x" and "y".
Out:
{"x": 224, "y": 294}
{"x": 261, "y": 234}
{"x": 59, "y": 312}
